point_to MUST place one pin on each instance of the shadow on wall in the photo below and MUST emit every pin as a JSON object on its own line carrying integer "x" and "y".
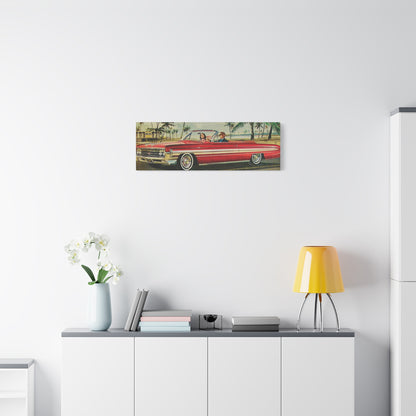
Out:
{"x": 356, "y": 270}
{"x": 45, "y": 388}
{"x": 157, "y": 301}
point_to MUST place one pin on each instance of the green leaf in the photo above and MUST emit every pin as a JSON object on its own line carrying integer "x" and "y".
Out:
{"x": 107, "y": 279}
{"x": 91, "y": 283}
{"x": 101, "y": 275}
{"x": 89, "y": 272}
{"x": 237, "y": 126}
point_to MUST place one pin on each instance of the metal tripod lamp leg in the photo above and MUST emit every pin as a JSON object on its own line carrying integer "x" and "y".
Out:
{"x": 320, "y": 312}
{"x": 318, "y": 296}
{"x": 335, "y": 310}
{"x": 300, "y": 312}
{"x": 315, "y": 322}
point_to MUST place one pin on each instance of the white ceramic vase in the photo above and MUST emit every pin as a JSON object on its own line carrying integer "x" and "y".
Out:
{"x": 100, "y": 307}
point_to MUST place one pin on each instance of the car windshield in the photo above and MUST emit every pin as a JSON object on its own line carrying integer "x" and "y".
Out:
{"x": 197, "y": 135}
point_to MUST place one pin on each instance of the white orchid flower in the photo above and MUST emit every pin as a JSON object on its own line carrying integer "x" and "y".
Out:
{"x": 87, "y": 241}
{"x": 105, "y": 251}
{"x": 73, "y": 245}
{"x": 101, "y": 241}
{"x": 77, "y": 244}
{"x": 68, "y": 248}
{"x": 117, "y": 272}
{"x": 105, "y": 264}
{"x": 86, "y": 244}
{"x": 73, "y": 257}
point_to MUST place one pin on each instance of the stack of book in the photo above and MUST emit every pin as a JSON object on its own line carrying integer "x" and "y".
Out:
{"x": 166, "y": 321}
{"x": 255, "y": 323}
{"x": 136, "y": 310}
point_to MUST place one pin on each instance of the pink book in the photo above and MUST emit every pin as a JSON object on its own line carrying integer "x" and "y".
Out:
{"x": 165, "y": 319}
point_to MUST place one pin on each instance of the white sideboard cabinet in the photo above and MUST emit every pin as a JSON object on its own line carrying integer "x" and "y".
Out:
{"x": 207, "y": 373}
{"x": 98, "y": 376}
{"x": 243, "y": 376}
{"x": 171, "y": 376}
{"x": 17, "y": 380}
{"x": 317, "y": 376}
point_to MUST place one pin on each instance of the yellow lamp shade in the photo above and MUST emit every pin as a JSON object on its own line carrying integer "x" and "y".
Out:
{"x": 318, "y": 271}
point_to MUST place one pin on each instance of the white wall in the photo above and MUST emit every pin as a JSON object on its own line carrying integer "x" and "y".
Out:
{"x": 76, "y": 76}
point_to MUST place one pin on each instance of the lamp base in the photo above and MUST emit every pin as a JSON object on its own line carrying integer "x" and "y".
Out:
{"x": 315, "y": 325}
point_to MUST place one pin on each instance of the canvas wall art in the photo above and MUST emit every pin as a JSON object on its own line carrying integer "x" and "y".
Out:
{"x": 207, "y": 146}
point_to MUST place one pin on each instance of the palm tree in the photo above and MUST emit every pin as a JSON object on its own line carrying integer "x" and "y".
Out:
{"x": 158, "y": 130}
{"x": 262, "y": 130}
{"x": 230, "y": 127}
{"x": 258, "y": 128}
{"x": 166, "y": 127}
{"x": 275, "y": 127}
{"x": 185, "y": 128}
{"x": 238, "y": 125}
{"x": 138, "y": 129}
{"x": 252, "y": 131}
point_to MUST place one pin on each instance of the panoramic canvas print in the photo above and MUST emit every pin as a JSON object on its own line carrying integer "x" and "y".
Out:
{"x": 207, "y": 146}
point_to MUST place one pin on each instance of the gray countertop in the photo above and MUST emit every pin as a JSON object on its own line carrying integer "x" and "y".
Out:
{"x": 119, "y": 332}
{"x": 16, "y": 362}
{"x": 403, "y": 110}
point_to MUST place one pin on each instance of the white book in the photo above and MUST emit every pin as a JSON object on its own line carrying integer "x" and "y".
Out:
{"x": 255, "y": 320}
{"x": 132, "y": 311}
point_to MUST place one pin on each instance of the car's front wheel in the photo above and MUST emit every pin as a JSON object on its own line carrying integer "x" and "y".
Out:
{"x": 186, "y": 161}
{"x": 256, "y": 159}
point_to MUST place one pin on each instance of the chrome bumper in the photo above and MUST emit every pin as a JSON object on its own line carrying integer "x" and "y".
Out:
{"x": 157, "y": 160}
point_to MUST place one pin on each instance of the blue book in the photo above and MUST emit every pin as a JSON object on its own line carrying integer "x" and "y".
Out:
{"x": 163, "y": 323}
{"x": 165, "y": 329}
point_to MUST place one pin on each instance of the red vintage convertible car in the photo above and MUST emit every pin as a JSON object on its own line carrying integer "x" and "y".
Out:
{"x": 203, "y": 147}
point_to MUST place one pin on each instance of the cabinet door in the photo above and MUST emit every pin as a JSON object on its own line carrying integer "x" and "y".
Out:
{"x": 16, "y": 391}
{"x": 98, "y": 376}
{"x": 171, "y": 376}
{"x": 318, "y": 376}
{"x": 244, "y": 376}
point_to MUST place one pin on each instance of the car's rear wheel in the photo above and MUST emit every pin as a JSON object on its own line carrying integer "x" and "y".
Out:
{"x": 256, "y": 159}
{"x": 186, "y": 161}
